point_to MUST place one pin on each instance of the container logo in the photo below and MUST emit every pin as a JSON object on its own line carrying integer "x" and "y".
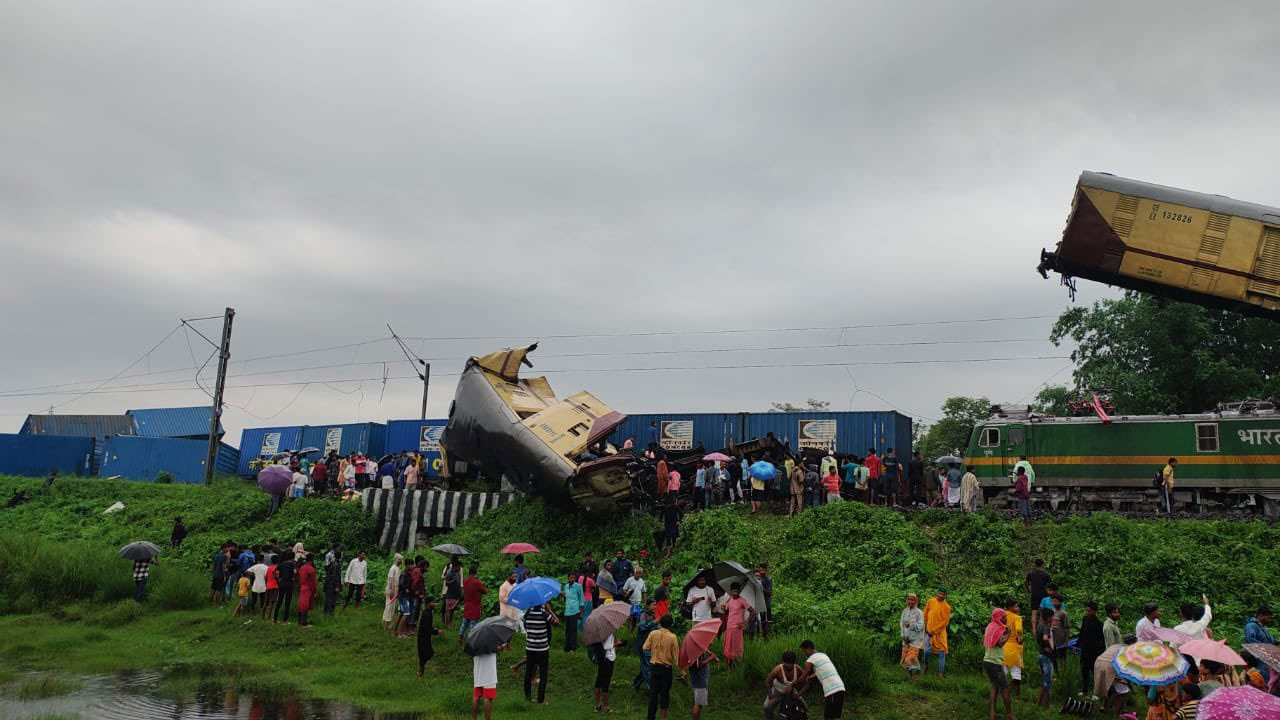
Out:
{"x": 817, "y": 434}
{"x": 676, "y": 435}
{"x": 429, "y": 438}
{"x": 270, "y": 444}
{"x": 333, "y": 440}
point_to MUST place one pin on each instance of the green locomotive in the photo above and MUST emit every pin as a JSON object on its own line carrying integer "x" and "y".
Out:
{"x": 1228, "y": 458}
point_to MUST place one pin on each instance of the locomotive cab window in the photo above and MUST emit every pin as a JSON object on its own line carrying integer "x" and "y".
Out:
{"x": 1206, "y": 437}
{"x": 1017, "y": 435}
{"x": 990, "y": 437}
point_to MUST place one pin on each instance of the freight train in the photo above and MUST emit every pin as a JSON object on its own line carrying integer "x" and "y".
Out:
{"x": 1227, "y": 459}
{"x": 1206, "y": 249}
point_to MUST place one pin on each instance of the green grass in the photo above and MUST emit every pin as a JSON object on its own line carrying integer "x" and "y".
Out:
{"x": 40, "y": 686}
{"x": 348, "y": 658}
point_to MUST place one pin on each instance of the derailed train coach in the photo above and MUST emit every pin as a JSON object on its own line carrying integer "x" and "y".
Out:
{"x": 516, "y": 428}
{"x": 1201, "y": 248}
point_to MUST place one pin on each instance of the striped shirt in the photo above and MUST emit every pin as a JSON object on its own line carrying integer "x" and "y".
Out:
{"x": 825, "y": 671}
{"x": 537, "y": 629}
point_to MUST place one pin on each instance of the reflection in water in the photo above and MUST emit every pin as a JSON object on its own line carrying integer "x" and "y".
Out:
{"x": 137, "y": 696}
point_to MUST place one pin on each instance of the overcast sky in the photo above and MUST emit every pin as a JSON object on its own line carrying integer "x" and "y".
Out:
{"x": 528, "y": 170}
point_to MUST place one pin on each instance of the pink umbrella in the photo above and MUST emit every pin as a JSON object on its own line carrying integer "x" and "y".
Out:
{"x": 1215, "y": 650}
{"x": 717, "y": 457}
{"x": 1238, "y": 703}
{"x": 518, "y": 549}
{"x": 1165, "y": 635}
{"x": 698, "y": 640}
{"x": 275, "y": 479}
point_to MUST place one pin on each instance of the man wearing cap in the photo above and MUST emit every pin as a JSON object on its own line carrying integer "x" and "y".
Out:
{"x": 937, "y": 618}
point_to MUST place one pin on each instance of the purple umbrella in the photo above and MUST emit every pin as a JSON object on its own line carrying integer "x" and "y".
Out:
{"x": 275, "y": 479}
{"x": 1239, "y": 703}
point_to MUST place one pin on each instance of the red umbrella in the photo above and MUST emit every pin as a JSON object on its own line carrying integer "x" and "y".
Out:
{"x": 698, "y": 640}
{"x": 518, "y": 549}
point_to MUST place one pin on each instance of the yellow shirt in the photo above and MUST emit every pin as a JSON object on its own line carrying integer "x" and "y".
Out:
{"x": 1013, "y": 647}
{"x": 663, "y": 647}
{"x": 1168, "y": 476}
{"x": 243, "y": 586}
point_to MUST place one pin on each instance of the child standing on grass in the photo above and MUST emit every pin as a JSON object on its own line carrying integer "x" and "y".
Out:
{"x": 484, "y": 671}
{"x": 699, "y": 679}
{"x": 243, "y": 587}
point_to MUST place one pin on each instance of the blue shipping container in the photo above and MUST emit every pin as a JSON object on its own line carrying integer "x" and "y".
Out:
{"x": 228, "y": 460}
{"x": 36, "y": 455}
{"x": 142, "y": 458}
{"x": 849, "y": 432}
{"x": 185, "y": 422}
{"x": 264, "y": 442}
{"x": 422, "y": 436}
{"x": 682, "y": 431}
{"x": 98, "y": 427}
{"x": 364, "y": 438}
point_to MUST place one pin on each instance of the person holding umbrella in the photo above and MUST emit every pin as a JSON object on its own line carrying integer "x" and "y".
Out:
{"x": 537, "y": 648}
{"x": 143, "y": 554}
{"x": 487, "y": 639}
{"x": 598, "y": 634}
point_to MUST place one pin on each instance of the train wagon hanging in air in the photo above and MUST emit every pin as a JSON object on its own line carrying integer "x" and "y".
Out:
{"x": 1196, "y": 247}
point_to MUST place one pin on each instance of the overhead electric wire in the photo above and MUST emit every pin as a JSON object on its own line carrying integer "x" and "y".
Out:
{"x": 655, "y": 333}
{"x": 686, "y": 368}
{"x": 145, "y": 355}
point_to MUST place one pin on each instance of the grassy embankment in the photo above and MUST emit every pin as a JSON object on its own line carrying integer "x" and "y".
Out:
{"x": 840, "y": 574}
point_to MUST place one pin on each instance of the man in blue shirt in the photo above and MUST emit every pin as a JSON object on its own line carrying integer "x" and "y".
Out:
{"x": 388, "y": 469}
{"x": 1255, "y": 631}
{"x": 621, "y": 567}
{"x": 653, "y": 436}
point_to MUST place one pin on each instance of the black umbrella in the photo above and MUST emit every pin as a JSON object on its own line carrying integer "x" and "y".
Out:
{"x": 139, "y": 550}
{"x": 489, "y": 634}
{"x": 451, "y": 550}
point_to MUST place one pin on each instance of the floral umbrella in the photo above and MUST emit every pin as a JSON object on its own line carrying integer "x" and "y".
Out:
{"x": 1150, "y": 663}
{"x": 1238, "y": 703}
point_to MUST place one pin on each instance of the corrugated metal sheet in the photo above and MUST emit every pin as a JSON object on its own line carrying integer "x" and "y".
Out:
{"x": 264, "y": 442}
{"x": 36, "y": 455}
{"x": 419, "y": 436}
{"x": 366, "y": 438}
{"x": 682, "y": 431}
{"x": 852, "y": 432}
{"x": 227, "y": 461}
{"x": 184, "y": 422}
{"x": 144, "y": 458}
{"x": 94, "y": 426}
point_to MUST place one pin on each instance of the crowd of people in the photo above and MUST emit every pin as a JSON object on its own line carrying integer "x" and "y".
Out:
{"x": 345, "y": 476}
{"x": 1094, "y": 644}
{"x": 651, "y": 621}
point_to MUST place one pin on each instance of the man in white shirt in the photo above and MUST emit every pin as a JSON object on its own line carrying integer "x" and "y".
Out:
{"x": 701, "y": 599}
{"x": 259, "y": 587}
{"x": 633, "y": 590}
{"x": 1150, "y": 619}
{"x": 818, "y": 665}
{"x": 357, "y": 572}
{"x": 1197, "y": 629}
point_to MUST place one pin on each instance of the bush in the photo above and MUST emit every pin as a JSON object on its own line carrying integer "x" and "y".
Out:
{"x": 172, "y": 588}
{"x": 164, "y": 478}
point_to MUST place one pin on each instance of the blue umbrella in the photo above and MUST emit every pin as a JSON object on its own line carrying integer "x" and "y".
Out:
{"x": 533, "y": 592}
{"x": 763, "y": 470}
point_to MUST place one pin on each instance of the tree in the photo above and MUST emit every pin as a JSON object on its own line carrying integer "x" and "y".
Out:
{"x": 1053, "y": 399}
{"x": 811, "y": 405}
{"x": 951, "y": 433}
{"x": 1157, "y": 356}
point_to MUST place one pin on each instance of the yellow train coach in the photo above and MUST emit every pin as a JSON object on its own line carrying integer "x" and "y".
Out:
{"x": 1201, "y": 248}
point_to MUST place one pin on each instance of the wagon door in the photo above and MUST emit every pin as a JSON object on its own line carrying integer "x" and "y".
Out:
{"x": 1015, "y": 446}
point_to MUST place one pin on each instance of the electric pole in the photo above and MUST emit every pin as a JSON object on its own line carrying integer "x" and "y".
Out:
{"x": 224, "y": 354}
{"x": 426, "y": 382}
